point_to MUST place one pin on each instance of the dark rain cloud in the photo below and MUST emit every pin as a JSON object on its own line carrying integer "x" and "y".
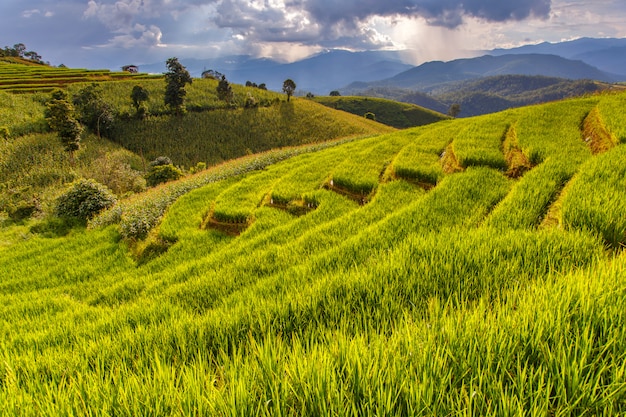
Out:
{"x": 328, "y": 21}
{"x": 449, "y": 13}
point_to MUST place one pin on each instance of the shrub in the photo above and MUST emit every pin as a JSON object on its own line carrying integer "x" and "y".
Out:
{"x": 250, "y": 102}
{"x": 162, "y": 173}
{"x": 5, "y": 133}
{"x": 369, "y": 115}
{"x": 114, "y": 171}
{"x": 161, "y": 160}
{"x": 23, "y": 210}
{"x": 84, "y": 200}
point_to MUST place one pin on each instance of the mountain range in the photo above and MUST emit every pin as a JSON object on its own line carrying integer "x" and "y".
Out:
{"x": 601, "y": 59}
{"x": 431, "y": 76}
{"x": 318, "y": 74}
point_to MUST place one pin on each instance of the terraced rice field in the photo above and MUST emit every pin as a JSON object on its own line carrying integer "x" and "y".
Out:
{"x": 405, "y": 288}
{"x": 20, "y": 78}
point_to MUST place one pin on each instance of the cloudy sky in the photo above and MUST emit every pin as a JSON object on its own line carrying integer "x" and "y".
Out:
{"x": 111, "y": 33}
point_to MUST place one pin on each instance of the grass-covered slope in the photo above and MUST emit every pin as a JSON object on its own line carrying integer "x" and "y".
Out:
{"x": 21, "y": 76}
{"x": 389, "y": 112}
{"x": 34, "y": 166}
{"x": 222, "y": 134}
{"x": 382, "y": 296}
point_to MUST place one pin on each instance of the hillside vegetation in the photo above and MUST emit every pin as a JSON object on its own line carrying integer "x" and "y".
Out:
{"x": 468, "y": 267}
{"x": 392, "y": 113}
{"x": 34, "y": 166}
{"x": 488, "y": 94}
{"x": 23, "y": 76}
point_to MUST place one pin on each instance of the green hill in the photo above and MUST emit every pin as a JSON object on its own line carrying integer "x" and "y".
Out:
{"x": 24, "y": 76}
{"x": 34, "y": 167}
{"x": 392, "y": 113}
{"x": 467, "y": 267}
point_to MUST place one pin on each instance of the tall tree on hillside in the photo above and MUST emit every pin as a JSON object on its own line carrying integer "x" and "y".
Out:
{"x": 224, "y": 90}
{"x": 93, "y": 111}
{"x": 139, "y": 96}
{"x": 454, "y": 110}
{"x": 176, "y": 78}
{"x": 60, "y": 117}
{"x": 289, "y": 87}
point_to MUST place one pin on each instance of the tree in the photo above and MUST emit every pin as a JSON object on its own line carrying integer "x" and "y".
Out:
{"x": 454, "y": 110}
{"x": 212, "y": 74}
{"x": 33, "y": 56}
{"x": 60, "y": 115}
{"x": 335, "y": 93}
{"x": 289, "y": 87}
{"x": 93, "y": 111}
{"x": 84, "y": 200}
{"x": 139, "y": 96}
{"x": 19, "y": 49}
{"x": 224, "y": 90}
{"x": 176, "y": 78}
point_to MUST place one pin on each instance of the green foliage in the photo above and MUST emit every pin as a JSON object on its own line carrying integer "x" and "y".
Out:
{"x": 60, "y": 116}
{"x": 162, "y": 173}
{"x": 140, "y": 96}
{"x": 392, "y": 113}
{"x": 21, "y": 115}
{"x": 84, "y": 199}
{"x": 217, "y": 136}
{"x": 369, "y": 115}
{"x": 27, "y": 76}
{"x": 224, "y": 90}
{"x": 93, "y": 111}
{"x": 611, "y": 107}
{"x": 176, "y": 78}
{"x": 479, "y": 143}
{"x": 454, "y": 110}
{"x": 161, "y": 160}
{"x": 289, "y": 87}
{"x": 114, "y": 170}
{"x": 596, "y": 195}
{"x": 411, "y": 304}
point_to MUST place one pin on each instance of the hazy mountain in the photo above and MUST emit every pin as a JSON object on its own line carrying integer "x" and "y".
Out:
{"x": 608, "y": 54}
{"x": 319, "y": 74}
{"x": 432, "y": 76}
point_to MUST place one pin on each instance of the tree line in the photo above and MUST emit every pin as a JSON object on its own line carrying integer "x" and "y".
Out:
{"x": 19, "y": 51}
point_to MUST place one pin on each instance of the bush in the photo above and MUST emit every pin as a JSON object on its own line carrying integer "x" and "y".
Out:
{"x": 161, "y": 160}
{"x": 369, "y": 115}
{"x": 84, "y": 200}
{"x": 114, "y": 171}
{"x": 162, "y": 173}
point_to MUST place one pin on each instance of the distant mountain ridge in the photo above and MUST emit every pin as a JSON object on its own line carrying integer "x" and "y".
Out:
{"x": 607, "y": 54}
{"x": 318, "y": 74}
{"x": 381, "y": 72}
{"x": 432, "y": 75}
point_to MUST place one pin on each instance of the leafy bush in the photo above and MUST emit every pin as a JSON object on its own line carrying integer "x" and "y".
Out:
{"x": 162, "y": 173}
{"x": 114, "y": 170}
{"x": 84, "y": 200}
{"x": 161, "y": 160}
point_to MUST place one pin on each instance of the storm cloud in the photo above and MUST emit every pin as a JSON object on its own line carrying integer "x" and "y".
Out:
{"x": 309, "y": 22}
{"x": 449, "y": 13}
{"x": 324, "y": 22}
